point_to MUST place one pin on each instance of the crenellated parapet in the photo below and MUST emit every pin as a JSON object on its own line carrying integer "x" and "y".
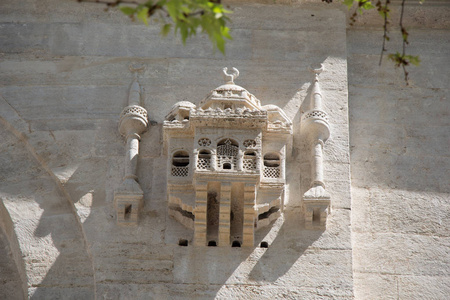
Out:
{"x": 315, "y": 129}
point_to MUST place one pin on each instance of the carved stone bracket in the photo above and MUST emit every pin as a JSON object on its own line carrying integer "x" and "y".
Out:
{"x": 316, "y": 130}
{"x": 128, "y": 197}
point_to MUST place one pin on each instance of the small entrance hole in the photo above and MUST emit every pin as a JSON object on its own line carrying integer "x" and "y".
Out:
{"x": 236, "y": 244}
{"x": 226, "y": 166}
{"x": 316, "y": 215}
{"x": 127, "y": 212}
{"x": 264, "y": 245}
{"x": 212, "y": 244}
{"x": 183, "y": 242}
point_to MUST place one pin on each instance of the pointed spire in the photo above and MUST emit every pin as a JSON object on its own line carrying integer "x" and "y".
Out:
{"x": 316, "y": 93}
{"x": 134, "y": 96}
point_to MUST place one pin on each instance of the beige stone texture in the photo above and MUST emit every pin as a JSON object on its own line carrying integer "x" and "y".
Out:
{"x": 64, "y": 80}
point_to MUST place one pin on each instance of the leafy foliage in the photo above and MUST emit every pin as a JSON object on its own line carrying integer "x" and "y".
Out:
{"x": 184, "y": 17}
{"x": 188, "y": 17}
{"x": 400, "y": 59}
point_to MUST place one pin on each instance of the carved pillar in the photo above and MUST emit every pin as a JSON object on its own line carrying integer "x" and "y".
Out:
{"x": 195, "y": 160}
{"x": 240, "y": 160}
{"x": 258, "y": 161}
{"x": 224, "y": 214}
{"x": 213, "y": 164}
{"x": 249, "y": 215}
{"x": 316, "y": 130}
{"x": 128, "y": 198}
{"x": 317, "y": 163}
{"x": 283, "y": 164}
{"x": 201, "y": 199}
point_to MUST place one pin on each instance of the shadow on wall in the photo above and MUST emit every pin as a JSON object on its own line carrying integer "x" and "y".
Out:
{"x": 71, "y": 274}
{"x": 13, "y": 279}
{"x": 216, "y": 272}
{"x": 49, "y": 235}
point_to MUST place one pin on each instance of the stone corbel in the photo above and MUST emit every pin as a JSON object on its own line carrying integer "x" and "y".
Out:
{"x": 316, "y": 130}
{"x": 129, "y": 197}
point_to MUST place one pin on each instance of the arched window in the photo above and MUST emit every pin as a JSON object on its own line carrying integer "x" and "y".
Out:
{"x": 204, "y": 160}
{"x": 272, "y": 165}
{"x": 180, "y": 164}
{"x": 227, "y": 151}
{"x": 249, "y": 162}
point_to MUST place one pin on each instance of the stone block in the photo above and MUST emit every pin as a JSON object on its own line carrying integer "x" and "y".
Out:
{"x": 375, "y": 286}
{"x": 406, "y": 254}
{"x": 424, "y": 287}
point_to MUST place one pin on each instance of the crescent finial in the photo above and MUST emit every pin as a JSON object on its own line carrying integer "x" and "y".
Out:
{"x": 136, "y": 68}
{"x": 229, "y": 78}
{"x": 317, "y": 71}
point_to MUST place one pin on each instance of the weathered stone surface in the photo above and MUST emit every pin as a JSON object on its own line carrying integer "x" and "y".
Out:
{"x": 64, "y": 80}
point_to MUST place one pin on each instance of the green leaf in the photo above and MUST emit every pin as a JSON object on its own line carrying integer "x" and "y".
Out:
{"x": 349, "y": 3}
{"x": 415, "y": 60}
{"x": 225, "y": 31}
{"x": 367, "y": 5}
{"x": 142, "y": 15}
{"x": 127, "y": 10}
{"x": 166, "y": 29}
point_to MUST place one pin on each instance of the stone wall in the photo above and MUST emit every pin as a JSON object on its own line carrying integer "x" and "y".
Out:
{"x": 64, "y": 80}
{"x": 400, "y": 148}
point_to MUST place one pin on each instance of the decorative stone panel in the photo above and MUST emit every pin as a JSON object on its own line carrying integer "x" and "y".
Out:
{"x": 225, "y": 138}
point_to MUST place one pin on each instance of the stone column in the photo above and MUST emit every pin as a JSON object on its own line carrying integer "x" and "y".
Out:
{"x": 128, "y": 198}
{"x": 224, "y": 214}
{"x": 131, "y": 156}
{"x": 258, "y": 162}
{"x": 283, "y": 164}
{"x": 240, "y": 160}
{"x": 213, "y": 163}
{"x": 201, "y": 199}
{"x": 195, "y": 160}
{"x": 249, "y": 215}
{"x": 316, "y": 130}
{"x": 317, "y": 164}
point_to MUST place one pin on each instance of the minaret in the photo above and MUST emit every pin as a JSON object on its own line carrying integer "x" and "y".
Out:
{"x": 316, "y": 130}
{"x": 128, "y": 198}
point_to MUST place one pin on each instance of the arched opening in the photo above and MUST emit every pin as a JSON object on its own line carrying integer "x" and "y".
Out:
{"x": 127, "y": 211}
{"x": 212, "y": 244}
{"x": 227, "y": 151}
{"x": 212, "y": 216}
{"x": 183, "y": 242}
{"x": 204, "y": 160}
{"x": 264, "y": 244}
{"x": 272, "y": 160}
{"x": 237, "y": 212}
{"x": 180, "y": 159}
{"x": 272, "y": 165}
{"x": 180, "y": 164}
{"x": 249, "y": 162}
{"x": 236, "y": 244}
{"x": 316, "y": 215}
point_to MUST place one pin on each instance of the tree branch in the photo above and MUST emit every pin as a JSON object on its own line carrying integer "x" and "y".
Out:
{"x": 384, "y": 10}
